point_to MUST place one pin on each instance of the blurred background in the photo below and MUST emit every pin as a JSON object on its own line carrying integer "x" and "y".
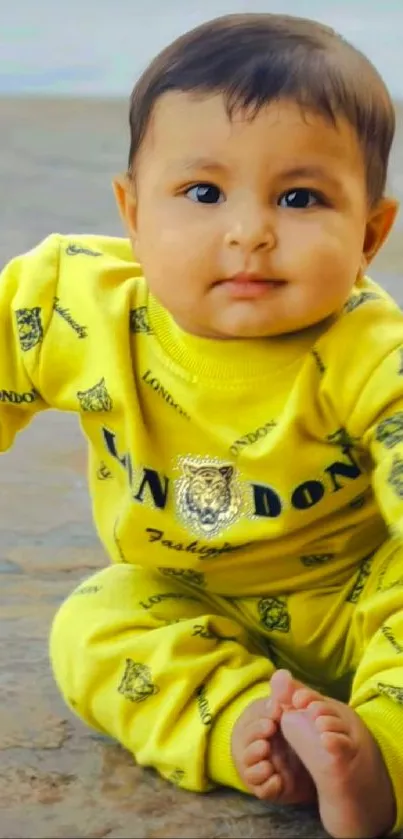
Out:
{"x": 66, "y": 73}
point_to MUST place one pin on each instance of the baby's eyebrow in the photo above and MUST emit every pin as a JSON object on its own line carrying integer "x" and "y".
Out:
{"x": 207, "y": 163}
{"x": 309, "y": 171}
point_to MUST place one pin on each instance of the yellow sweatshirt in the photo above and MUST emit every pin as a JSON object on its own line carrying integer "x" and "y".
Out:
{"x": 249, "y": 469}
{"x": 251, "y": 466}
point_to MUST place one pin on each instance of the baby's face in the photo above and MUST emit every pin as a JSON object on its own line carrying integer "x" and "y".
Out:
{"x": 247, "y": 228}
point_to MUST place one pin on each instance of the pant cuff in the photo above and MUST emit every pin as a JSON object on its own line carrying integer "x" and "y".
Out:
{"x": 384, "y": 719}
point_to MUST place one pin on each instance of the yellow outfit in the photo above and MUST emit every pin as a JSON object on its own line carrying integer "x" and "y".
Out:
{"x": 249, "y": 494}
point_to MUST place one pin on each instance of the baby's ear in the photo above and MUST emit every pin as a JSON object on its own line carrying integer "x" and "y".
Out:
{"x": 125, "y": 196}
{"x": 379, "y": 224}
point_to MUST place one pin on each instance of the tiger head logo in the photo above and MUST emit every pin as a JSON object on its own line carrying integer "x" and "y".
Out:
{"x": 208, "y": 498}
{"x": 390, "y": 430}
{"x": 29, "y": 325}
{"x": 137, "y": 684}
{"x": 274, "y": 614}
{"x": 96, "y": 398}
{"x": 139, "y": 320}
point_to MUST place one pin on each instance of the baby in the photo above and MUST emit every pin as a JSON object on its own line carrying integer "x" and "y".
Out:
{"x": 239, "y": 380}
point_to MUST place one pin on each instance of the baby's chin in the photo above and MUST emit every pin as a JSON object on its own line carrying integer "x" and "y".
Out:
{"x": 249, "y": 331}
{"x": 246, "y": 325}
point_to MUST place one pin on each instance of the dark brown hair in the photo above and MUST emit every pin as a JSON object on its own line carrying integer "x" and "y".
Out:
{"x": 254, "y": 59}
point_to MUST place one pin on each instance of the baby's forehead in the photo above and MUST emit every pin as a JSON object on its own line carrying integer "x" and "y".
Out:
{"x": 188, "y": 131}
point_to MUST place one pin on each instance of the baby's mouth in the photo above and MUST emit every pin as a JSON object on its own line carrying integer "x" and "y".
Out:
{"x": 252, "y": 286}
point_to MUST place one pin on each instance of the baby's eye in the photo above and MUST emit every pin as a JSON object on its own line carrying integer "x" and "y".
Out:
{"x": 205, "y": 194}
{"x": 300, "y": 199}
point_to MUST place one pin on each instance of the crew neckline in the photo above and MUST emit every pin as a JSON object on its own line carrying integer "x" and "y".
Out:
{"x": 231, "y": 359}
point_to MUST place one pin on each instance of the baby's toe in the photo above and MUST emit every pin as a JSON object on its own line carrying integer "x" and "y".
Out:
{"x": 258, "y": 773}
{"x": 305, "y": 696}
{"x": 322, "y": 707}
{"x": 338, "y": 744}
{"x": 332, "y": 723}
{"x": 271, "y": 789}
{"x": 258, "y": 729}
{"x": 256, "y": 752}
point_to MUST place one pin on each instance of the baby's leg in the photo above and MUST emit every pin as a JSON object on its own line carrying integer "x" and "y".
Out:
{"x": 377, "y": 689}
{"x": 156, "y": 667}
{"x": 354, "y": 752}
{"x": 355, "y": 794}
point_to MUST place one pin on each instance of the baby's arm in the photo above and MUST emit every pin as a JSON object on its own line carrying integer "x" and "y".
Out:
{"x": 377, "y": 422}
{"x": 27, "y": 286}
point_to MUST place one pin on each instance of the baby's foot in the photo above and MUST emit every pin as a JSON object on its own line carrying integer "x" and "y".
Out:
{"x": 355, "y": 794}
{"x": 267, "y": 765}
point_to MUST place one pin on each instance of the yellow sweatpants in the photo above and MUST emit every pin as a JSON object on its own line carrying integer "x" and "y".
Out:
{"x": 167, "y": 669}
